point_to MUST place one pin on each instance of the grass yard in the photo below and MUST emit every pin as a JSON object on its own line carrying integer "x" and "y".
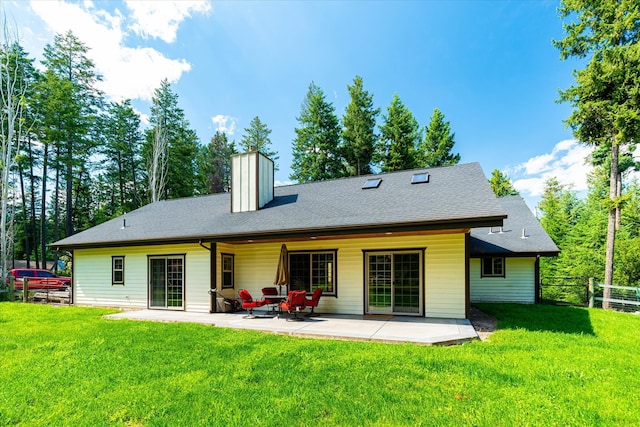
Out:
{"x": 544, "y": 366}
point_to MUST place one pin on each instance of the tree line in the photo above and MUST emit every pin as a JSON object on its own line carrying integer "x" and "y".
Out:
{"x": 326, "y": 147}
{"x": 71, "y": 159}
{"x": 605, "y": 97}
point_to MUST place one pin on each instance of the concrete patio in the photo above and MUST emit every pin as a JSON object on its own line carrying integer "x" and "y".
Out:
{"x": 419, "y": 330}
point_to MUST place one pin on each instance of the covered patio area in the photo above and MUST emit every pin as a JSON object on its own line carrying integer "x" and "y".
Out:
{"x": 392, "y": 329}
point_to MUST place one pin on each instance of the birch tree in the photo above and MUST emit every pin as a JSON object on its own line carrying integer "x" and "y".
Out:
{"x": 13, "y": 90}
{"x": 157, "y": 167}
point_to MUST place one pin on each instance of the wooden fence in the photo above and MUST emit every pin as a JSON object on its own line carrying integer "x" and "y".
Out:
{"x": 10, "y": 293}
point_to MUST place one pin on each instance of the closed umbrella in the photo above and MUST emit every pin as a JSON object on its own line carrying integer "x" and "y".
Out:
{"x": 282, "y": 273}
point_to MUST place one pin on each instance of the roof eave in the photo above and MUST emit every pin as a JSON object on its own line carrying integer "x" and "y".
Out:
{"x": 299, "y": 233}
{"x": 514, "y": 254}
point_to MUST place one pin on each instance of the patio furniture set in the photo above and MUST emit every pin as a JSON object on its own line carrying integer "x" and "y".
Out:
{"x": 293, "y": 303}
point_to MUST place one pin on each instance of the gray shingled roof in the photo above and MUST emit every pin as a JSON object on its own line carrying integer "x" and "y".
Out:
{"x": 508, "y": 240}
{"x": 455, "y": 196}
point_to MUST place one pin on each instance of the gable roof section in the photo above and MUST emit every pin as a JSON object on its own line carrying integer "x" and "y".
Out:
{"x": 509, "y": 241}
{"x": 455, "y": 197}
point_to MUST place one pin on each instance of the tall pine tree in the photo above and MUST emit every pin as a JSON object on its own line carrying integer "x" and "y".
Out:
{"x": 501, "y": 184}
{"x": 122, "y": 151}
{"x": 605, "y": 98}
{"x": 257, "y": 136}
{"x": 316, "y": 146}
{"x": 437, "y": 145}
{"x": 358, "y": 134}
{"x": 399, "y": 136}
{"x": 67, "y": 59}
{"x": 214, "y": 165}
{"x": 168, "y": 122}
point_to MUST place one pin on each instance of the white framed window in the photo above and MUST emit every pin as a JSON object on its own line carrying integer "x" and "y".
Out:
{"x": 492, "y": 267}
{"x": 117, "y": 270}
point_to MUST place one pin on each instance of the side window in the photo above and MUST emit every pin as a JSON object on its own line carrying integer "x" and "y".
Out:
{"x": 227, "y": 271}
{"x": 26, "y": 273}
{"x": 117, "y": 270}
{"x": 44, "y": 274}
{"x": 492, "y": 267}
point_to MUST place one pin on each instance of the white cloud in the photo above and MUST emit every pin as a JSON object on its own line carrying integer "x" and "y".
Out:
{"x": 226, "y": 124}
{"x": 567, "y": 162}
{"x": 161, "y": 19}
{"x": 127, "y": 72}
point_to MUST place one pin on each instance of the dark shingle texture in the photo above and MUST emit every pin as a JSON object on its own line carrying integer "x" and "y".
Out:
{"x": 510, "y": 241}
{"x": 454, "y": 195}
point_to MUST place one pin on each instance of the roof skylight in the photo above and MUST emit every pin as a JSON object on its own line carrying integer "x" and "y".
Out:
{"x": 420, "y": 178}
{"x": 372, "y": 183}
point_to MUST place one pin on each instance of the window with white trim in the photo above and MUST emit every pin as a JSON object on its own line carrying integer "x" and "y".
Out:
{"x": 117, "y": 270}
{"x": 492, "y": 267}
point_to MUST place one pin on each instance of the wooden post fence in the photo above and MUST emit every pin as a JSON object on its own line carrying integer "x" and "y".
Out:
{"x": 25, "y": 289}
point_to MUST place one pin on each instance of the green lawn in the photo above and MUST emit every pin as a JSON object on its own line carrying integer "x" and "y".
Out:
{"x": 545, "y": 366}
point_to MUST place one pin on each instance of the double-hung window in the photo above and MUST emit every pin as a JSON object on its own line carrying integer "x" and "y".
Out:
{"x": 492, "y": 267}
{"x": 227, "y": 271}
{"x": 310, "y": 270}
{"x": 117, "y": 270}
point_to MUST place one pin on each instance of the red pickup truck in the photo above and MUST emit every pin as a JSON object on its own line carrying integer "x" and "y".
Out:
{"x": 39, "y": 279}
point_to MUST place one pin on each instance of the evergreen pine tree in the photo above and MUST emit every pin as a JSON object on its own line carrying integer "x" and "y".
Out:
{"x": 75, "y": 138}
{"x": 168, "y": 121}
{"x": 501, "y": 184}
{"x": 257, "y": 136}
{"x": 358, "y": 134}
{"x": 435, "y": 149}
{"x": 399, "y": 136}
{"x": 315, "y": 148}
{"x": 214, "y": 165}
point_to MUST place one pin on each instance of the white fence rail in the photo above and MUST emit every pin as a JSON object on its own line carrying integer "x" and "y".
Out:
{"x": 622, "y": 297}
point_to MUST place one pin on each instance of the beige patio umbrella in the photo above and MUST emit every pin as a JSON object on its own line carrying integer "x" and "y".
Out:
{"x": 282, "y": 273}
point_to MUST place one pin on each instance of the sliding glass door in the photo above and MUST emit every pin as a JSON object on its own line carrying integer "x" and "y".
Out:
{"x": 394, "y": 282}
{"x": 166, "y": 282}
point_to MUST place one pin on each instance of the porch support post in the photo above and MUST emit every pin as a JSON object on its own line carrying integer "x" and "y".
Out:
{"x": 537, "y": 291}
{"x": 213, "y": 262}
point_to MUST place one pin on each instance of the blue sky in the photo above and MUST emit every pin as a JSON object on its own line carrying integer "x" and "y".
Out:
{"x": 489, "y": 66}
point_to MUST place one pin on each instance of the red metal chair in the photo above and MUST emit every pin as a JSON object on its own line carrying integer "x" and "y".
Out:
{"x": 248, "y": 303}
{"x": 313, "y": 301}
{"x": 294, "y": 303}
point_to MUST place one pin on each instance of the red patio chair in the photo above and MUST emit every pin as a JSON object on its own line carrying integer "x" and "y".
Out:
{"x": 248, "y": 303}
{"x": 294, "y": 303}
{"x": 313, "y": 302}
